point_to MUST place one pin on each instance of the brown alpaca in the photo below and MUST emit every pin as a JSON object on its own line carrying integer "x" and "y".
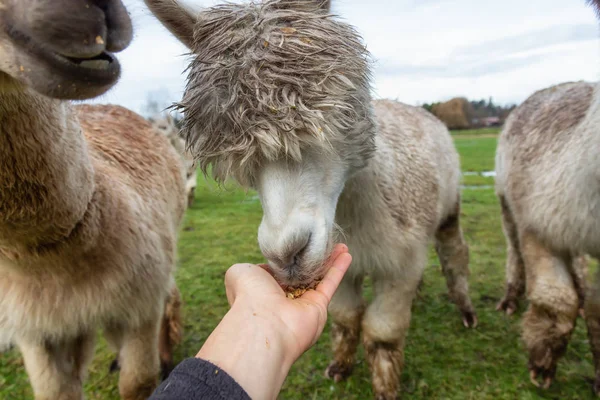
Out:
{"x": 278, "y": 96}
{"x": 91, "y": 198}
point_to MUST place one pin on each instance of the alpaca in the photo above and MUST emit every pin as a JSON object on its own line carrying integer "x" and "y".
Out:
{"x": 91, "y": 199}
{"x": 547, "y": 182}
{"x": 278, "y": 97}
{"x": 166, "y": 126}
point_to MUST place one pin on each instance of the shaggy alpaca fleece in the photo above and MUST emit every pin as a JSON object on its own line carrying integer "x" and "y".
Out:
{"x": 268, "y": 79}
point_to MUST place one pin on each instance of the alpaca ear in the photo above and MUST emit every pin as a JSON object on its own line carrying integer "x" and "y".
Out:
{"x": 178, "y": 19}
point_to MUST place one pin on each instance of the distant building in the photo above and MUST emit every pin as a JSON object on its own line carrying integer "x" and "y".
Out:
{"x": 486, "y": 121}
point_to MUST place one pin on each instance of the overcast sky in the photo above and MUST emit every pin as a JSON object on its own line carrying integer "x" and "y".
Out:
{"x": 425, "y": 50}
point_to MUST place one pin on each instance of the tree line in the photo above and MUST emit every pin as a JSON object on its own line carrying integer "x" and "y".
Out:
{"x": 461, "y": 113}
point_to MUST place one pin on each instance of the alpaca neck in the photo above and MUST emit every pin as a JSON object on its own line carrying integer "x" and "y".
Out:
{"x": 46, "y": 177}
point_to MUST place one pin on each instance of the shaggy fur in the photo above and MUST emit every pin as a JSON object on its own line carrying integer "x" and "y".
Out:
{"x": 267, "y": 79}
{"x": 281, "y": 86}
{"x": 167, "y": 127}
{"x": 91, "y": 198}
{"x": 548, "y": 184}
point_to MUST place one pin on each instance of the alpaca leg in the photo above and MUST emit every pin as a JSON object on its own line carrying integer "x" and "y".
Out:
{"x": 453, "y": 253}
{"x": 592, "y": 319}
{"x": 346, "y": 310}
{"x": 553, "y": 306}
{"x": 171, "y": 330}
{"x": 515, "y": 268}
{"x": 579, "y": 271}
{"x": 57, "y": 370}
{"x": 384, "y": 326}
{"x": 139, "y": 361}
{"x": 114, "y": 336}
{"x": 191, "y": 197}
{"x": 170, "y": 334}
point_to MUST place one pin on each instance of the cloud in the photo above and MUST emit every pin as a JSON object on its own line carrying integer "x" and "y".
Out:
{"x": 425, "y": 50}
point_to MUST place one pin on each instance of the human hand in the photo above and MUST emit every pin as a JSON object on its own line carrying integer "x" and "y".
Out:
{"x": 297, "y": 322}
{"x": 264, "y": 332}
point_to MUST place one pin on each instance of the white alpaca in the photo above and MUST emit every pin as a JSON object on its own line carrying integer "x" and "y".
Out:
{"x": 278, "y": 96}
{"x": 548, "y": 182}
{"x": 167, "y": 127}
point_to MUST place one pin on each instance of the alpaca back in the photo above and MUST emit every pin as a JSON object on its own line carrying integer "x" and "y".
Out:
{"x": 547, "y": 166}
{"x": 412, "y": 181}
{"x": 141, "y": 158}
{"x": 422, "y": 163}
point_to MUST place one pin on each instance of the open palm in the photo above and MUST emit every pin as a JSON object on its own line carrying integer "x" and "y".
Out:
{"x": 299, "y": 322}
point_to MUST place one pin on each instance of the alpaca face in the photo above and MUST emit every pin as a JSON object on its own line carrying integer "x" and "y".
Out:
{"x": 63, "y": 48}
{"x": 165, "y": 126}
{"x": 278, "y": 96}
{"x": 299, "y": 201}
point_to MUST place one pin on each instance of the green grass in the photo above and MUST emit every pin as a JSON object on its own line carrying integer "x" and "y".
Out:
{"x": 476, "y": 154}
{"x": 476, "y": 132}
{"x": 443, "y": 359}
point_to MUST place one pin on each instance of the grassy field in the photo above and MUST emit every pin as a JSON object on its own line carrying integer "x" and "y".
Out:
{"x": 476, "y": 132}
{"x": 443, "y": 359}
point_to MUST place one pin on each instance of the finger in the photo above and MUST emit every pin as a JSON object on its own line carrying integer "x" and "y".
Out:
{"x": 235, "y": 276}
{"x": 334, "y": 276}
{"x": 337, "y": 250}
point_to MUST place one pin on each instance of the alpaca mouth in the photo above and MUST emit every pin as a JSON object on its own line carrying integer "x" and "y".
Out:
{"x": 102, "y": 61}
{"x": 101, "y": 69}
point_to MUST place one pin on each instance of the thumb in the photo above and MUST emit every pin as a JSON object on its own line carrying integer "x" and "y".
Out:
{"x": 234, "y": 278}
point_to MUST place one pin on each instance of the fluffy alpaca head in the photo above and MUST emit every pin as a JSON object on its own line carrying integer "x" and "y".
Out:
{"x": 62, "y": 48}
{"x": 278, "y": 96}
{"x": 269, "y": 80}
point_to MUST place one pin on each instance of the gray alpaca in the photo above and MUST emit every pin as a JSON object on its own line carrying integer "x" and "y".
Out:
{"x": 548, "y": 183}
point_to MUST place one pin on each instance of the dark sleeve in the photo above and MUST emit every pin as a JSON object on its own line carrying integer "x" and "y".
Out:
{"x": 197, "y": 379}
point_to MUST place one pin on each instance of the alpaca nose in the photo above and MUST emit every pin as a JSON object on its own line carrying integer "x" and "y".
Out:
{"x": 76, "y": 29}
{"x": 292, "y": 258}
{"x": 288, "y": 254}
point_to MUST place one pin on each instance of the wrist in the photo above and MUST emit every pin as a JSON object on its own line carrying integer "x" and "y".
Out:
{"x": 247, "y": 346}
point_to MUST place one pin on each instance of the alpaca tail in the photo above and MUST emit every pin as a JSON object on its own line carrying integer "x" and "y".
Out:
{"x": 171, "y": 331}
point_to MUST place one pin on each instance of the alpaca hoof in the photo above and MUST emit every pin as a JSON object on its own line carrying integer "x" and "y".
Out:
{"x": 338, "y": 372}
{"x": 546, "y": 381}
{"x": 508, "y": 306}
{"x": 542, "y": 366}
{"x": 114, "y": 366}
{"x": 386, "y": 396}
{"x": 469, "y": 319}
